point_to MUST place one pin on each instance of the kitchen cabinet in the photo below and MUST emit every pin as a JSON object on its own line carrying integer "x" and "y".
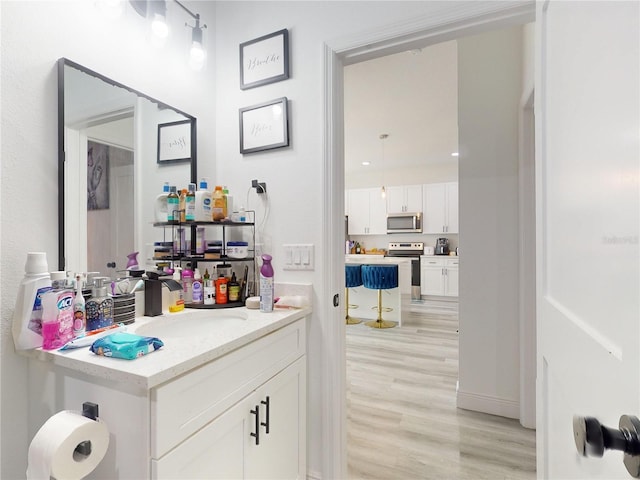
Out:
{"x": 440, "y": 208}
{"x": 439, "y": 276}
{"x": 367, "y": 212}
{"x": 404, "y": 198}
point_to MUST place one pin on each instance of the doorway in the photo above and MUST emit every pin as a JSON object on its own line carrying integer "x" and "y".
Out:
{"x": 425, "y": 31}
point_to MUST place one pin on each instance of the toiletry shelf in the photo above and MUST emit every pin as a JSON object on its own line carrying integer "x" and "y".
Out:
{"x": 180, "y": 254}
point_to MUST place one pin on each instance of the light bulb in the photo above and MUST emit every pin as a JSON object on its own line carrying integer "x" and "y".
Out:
{"x": 197, "y": 56}
{"x": 383, "y": 193}
{"x": 159, "y": 26}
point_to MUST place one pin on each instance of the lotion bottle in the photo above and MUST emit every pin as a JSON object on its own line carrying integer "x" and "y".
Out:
{"x": 173, "y": 205}
{"x": 190, "y": 203}
{"x": 196, "y": 287}
{"x": 161, "y": 208}
{"x": 266, "y": 284}
{"x": 203, "y": 203}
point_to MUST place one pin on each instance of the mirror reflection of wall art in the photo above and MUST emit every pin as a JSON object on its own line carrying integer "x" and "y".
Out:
{"x": 174, "y": 142}
{"x": 264, "y": 126}
{"x": 264, "y": 60}
{"x": 98, "y": 175}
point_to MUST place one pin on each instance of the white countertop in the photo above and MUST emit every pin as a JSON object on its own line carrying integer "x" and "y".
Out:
{"x": 179, "y": 354}
{"x": 364, "y": 258}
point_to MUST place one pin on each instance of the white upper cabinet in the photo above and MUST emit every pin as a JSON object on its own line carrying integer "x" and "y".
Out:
{"x": 404, "y": 198}
{"x": 367, "y": 212}
{"x": 440, "y": 212}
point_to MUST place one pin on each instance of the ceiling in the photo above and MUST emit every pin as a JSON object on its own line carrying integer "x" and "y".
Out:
{"x": 412, "y": 97}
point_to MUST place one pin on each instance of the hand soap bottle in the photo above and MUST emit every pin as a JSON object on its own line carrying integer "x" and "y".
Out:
{"x": 99, "y": 308}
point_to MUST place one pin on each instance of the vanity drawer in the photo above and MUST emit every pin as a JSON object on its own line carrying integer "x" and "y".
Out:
{"x": 183, "y": 406}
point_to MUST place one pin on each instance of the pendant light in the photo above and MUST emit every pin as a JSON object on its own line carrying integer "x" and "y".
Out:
{"x": 383, "y": 137}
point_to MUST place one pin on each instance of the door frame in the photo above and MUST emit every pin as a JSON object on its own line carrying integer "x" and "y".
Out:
{"x": 454, "y": 21}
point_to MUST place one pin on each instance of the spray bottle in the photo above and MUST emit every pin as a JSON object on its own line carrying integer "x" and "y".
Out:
{"x": 266, "y": 284}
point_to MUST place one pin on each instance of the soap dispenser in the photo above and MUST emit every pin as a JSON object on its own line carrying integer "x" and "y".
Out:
{"x": 99, "y": 308}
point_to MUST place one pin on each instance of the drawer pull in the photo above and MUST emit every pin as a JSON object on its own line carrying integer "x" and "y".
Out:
{"x": 265, "y": 424}
{"x": 256, "y": 412}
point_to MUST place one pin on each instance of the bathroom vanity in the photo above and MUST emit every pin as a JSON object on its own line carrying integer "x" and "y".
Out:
{"x": 224, "y": 398}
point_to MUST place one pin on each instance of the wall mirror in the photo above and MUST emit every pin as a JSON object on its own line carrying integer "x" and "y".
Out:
{"x": 109, "y": 173}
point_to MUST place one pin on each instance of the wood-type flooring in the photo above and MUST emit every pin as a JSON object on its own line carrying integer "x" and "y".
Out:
{"x": 402, "y": 420}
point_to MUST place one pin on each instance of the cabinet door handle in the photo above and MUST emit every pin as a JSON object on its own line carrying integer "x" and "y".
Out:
{"x": 265, "y": 424}
{"x": 256, "y": 412}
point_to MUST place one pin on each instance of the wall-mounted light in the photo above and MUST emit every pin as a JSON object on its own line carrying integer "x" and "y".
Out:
{"x": 156, "y": 12}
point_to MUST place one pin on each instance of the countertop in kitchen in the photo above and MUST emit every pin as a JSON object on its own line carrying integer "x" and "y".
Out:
{"x": 366, "y": 258}
{"x": 179, "y": 354}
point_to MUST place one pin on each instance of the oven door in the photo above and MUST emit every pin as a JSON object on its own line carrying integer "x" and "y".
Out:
{"x": 404, "y": 223}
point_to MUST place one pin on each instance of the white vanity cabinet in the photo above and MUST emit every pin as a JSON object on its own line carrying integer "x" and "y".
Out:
{"x": 201, "y": 421}
{"x": 439, "y": 276}
{"x": 242, "y": 416}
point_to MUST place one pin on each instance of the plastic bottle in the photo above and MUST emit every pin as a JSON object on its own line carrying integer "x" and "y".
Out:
{"x": 161, "y": 204}
{"x": 208, "y": 289}
{"x": 203, "y": 203}
{"x": 190, "y": 203}
{"x": 228, "y": 202}
{"x": 99, "y": 308}
{"x": 197, "y": 292}
{"x": 79, "y": 310}
{"x": 187, "y": 285}
{"x": 234, "y": 289}
{"x": 217, "y": 211}
{"x": 173, "y": 205}
{"x": 50, "y": 322}
{"x": 243, "y": 215}
{"x": 27, "y": 316}
{"x": 221, "y": 289}
{"x": 182, "y": 204}
{"x": 266, "y": 284}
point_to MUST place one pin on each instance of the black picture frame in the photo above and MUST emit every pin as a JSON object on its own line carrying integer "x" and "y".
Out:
{"x": 264, "y": 126}
{"x": 264, "y": 60}
{"x": 174, "y": 142}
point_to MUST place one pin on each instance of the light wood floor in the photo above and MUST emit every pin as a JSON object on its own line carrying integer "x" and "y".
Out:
{"x": 401, "y": 404}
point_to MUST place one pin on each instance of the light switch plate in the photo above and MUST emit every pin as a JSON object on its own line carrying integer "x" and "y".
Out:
{"x": 298, "y": 256}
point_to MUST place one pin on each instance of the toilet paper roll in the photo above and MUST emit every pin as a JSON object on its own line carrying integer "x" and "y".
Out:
{"x": 52, "y": 452}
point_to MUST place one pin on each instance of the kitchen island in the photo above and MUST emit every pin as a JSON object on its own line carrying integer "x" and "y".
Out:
{"x": 367, "y": 299}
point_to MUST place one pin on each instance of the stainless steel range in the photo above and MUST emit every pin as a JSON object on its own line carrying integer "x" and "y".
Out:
{"x": 411, "y": 250}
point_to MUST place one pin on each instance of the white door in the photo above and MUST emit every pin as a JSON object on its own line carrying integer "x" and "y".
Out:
{"x": 588, "y": 154}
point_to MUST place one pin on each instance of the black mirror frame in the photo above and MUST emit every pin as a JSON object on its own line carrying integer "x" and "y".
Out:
{"x": 62, "y": 62}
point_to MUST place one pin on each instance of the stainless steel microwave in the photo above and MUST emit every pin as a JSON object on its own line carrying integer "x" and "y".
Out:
{"x": 404, "y": 222}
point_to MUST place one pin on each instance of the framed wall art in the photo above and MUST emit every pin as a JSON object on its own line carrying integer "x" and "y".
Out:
{"x": 264, "y": 60}
{"x": 264, "y": 126}
{"x": 174, "y": 142}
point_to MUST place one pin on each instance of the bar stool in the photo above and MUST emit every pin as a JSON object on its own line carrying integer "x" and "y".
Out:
{"x": 380, "y": 277}
{"x": 353, "y": 278}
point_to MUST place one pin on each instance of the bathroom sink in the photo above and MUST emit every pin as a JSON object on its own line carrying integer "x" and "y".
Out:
{"x": 192, "y": 324}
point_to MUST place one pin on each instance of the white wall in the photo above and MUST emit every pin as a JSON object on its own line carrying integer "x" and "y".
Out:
{"x": 34, "y": 35}
{"x": 489, "y": 85}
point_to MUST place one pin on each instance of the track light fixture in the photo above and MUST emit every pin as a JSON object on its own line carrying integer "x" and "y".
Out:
{"x": 156, "y": 11}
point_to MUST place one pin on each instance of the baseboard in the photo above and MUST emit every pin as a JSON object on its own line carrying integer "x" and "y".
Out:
{"x": 488, "y": 404}
{"x": 313, "y": 475}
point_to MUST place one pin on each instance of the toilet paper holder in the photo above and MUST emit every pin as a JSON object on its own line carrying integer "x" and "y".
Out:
{"x": 89, "y": 410}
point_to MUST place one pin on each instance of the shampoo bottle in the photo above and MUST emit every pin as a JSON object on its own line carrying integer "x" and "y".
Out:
{"x": 173, "y": 205}
{"x": 27, "y": 316}
{"x": 221, "y": 289}
{"x": 190, "y": 203}
{"x": 203, "y": 203}
{"x": 266, "y": 284}
{"x": 161, "y": 204}
{"x": 187, "y": 285}
{"x": 217, "y": 211}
